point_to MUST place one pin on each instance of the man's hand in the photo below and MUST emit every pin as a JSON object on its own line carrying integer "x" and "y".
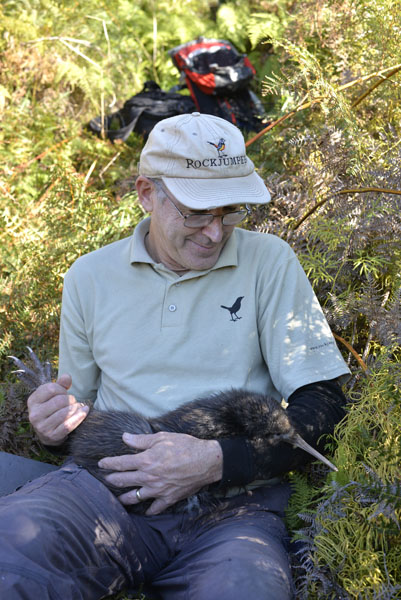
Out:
{"x": 54, "y": 413}
{"x": 171, "y": 466}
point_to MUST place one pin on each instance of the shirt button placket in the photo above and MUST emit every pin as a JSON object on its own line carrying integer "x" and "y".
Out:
{"x": 172, "y": 309}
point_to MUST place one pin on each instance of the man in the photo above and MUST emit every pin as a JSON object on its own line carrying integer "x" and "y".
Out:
{"x": 189, "y": 305}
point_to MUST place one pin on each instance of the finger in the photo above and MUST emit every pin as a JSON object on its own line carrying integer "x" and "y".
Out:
{"x": 77, "y": 413}
{"x": 130, "y": 498}
{"x": 158, "y": 506}
{"x": 63, "y": 404}
{"x": 144, "y": 441}
{"x": 56, "y": 428}
{"x": 124, "y": 462}
{"x": 134, "y": 479}
{"x": 65, "y": 381}
{"x": 139, "y": 441}
{"x": 45, "y": 392}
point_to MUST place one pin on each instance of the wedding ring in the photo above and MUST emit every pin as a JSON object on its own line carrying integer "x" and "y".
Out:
{"x": 138, "y": 495}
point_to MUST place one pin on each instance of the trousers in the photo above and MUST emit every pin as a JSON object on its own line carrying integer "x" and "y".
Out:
{"x": 65, "y": 536}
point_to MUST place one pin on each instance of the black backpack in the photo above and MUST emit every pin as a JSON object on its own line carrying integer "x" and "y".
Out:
{"x": 141, "y": 112}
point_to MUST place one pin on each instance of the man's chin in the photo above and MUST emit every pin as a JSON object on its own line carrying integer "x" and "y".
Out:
{"x": 198, "y": 257}
{"x": 202, "y": 263}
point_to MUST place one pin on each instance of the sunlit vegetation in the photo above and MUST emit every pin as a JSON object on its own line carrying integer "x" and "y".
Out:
{"x": 328, "y": 74}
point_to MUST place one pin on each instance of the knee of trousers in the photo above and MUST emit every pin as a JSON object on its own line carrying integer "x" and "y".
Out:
{"x": 259, "y": 578}
{"x": 66, "y": 523}
{"x": 68, "y": 503}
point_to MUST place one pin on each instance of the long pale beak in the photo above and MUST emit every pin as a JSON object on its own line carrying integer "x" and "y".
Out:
{"x": 300, "y": 443}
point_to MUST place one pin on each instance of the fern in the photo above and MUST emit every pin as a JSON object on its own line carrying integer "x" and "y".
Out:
{"x": 303, "y": 498}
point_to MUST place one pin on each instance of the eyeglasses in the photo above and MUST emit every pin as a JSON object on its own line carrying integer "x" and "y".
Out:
{"x": 199, "y": 220}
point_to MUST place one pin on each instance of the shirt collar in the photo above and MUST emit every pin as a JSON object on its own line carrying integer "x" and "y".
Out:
{"x": 139, "y": 254}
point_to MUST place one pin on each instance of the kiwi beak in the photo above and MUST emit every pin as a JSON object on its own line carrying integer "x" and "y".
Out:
{"x": 300, "y": 443}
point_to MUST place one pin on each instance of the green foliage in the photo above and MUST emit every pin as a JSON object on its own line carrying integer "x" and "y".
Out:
{"x": 337, "y": 157}
{"x": 65, "y": 193}
{"x": 69, "y": 220}
{"x": 303, "y": 499}
{"x": 352, "y": 533}
{"x": 103, "y": 51}
{"x": 268, "y": 26}
{"x": 232, "y": 18}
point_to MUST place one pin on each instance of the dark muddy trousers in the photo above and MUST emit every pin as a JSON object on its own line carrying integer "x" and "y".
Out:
{"x": 64, "y": 536}
{"x": 15, "y": 471}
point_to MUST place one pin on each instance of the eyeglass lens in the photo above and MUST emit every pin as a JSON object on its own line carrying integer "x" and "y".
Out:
{"x": 232, "y": 218}
{"x": 195, "y": 221}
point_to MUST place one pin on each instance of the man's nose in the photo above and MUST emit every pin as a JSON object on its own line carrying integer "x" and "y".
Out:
{"x": 214, "y": 231}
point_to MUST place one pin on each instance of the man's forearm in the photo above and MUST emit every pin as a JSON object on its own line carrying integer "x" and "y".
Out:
{"x": 314, "y": 410}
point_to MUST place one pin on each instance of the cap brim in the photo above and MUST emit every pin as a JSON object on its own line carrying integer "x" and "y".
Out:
{"x": 201, "y": 194}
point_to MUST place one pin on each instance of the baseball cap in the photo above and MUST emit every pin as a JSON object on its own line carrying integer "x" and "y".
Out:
{"x": 202, "y": 161}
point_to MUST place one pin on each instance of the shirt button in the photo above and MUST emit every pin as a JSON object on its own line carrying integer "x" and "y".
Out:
{"x": 172, "y": 308}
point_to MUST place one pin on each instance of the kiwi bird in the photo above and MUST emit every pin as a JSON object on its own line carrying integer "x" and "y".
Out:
{"x": 226, "y": 414}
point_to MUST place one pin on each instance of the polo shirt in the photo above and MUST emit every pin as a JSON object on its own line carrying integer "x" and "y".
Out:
{"x": 135, "y": 335}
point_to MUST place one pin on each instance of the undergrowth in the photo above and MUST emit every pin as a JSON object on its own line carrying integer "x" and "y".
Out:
{"x": 350, "y": 527}
{"x": 330, "y": 74}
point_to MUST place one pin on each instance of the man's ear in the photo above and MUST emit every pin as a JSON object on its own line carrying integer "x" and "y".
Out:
{"x": 146, "y": 192}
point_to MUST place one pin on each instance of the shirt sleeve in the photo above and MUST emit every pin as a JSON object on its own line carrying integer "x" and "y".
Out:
{"x": 296, "y": 341}
{"x": 75, "y": 352}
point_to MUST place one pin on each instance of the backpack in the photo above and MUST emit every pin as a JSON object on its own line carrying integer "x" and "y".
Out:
{"x": 141, "y": 112}
{"x": 218, "y": 78}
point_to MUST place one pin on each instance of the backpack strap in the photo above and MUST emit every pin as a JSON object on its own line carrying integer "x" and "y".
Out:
{"x": 123, "y": 132}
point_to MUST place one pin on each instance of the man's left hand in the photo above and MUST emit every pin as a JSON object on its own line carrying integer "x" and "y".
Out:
{"x": 168, "y": 467}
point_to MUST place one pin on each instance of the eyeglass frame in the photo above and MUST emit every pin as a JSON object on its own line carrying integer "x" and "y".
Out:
{"x": 244, "y": 211}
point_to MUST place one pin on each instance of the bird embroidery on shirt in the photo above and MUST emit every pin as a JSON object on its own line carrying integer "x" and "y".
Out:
{"x": 234, "y": 308}
{"x": 220, "y": 146}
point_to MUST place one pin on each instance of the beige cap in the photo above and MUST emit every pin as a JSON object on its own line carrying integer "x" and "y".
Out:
{"x": 202, "y": 162}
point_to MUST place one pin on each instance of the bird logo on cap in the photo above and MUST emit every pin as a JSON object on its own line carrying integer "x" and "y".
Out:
{"x": 220, "y": 146}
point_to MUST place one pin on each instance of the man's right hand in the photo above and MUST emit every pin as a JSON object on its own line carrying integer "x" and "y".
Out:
{"x": 54, "y": 413}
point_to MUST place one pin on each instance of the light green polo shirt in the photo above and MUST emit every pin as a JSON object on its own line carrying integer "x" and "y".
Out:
{"x": 136, "y": 335}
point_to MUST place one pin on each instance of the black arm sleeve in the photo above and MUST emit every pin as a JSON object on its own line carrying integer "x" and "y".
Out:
{"x": 314, "y": 410}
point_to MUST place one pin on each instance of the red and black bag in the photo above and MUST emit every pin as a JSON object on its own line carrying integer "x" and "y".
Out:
{"x": 218, "y": 78}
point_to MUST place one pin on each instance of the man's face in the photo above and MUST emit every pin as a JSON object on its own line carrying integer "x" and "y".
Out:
{"x": 181, "y": 248}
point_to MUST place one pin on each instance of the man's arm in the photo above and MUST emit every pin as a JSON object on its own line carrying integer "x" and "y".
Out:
{"x": 314, "y": 410}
